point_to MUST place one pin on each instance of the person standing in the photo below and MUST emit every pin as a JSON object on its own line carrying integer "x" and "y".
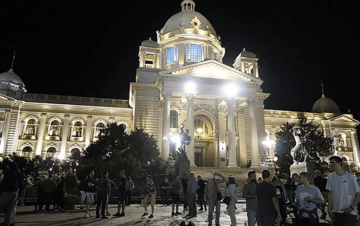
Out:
{"x": 108, "y": 197}
{"x": 175, "y": 195}
{"x": 82, "y": 188}
{"x": 212, "y": 191}
{"x": 280, "y": 195}
{"x": 267, "y": 206}
{"x": 41, "y": 194}
{"x": 11, "y": 189}
{"x": 48, "y": 186}
{"x": 307, "y": 196}
{"x": 150, "y": 197}
{"x": 191, "y": 195}
{"x": 320, "y": 183}
{"x": 184, "y": 181}
{"x": 59, "y": 194}
{"x": 121, "y": 200}
{"x": 128, "y": 190}
{"x": 231, "y": 191}
{"x": 200, "y": 193}
{"x": 164, "y": 191}
{"x": 250, "y": 197}
{"x": 343, "y": 196}
{"x": 90, "y": 191}
{"x": 103, "y": 188}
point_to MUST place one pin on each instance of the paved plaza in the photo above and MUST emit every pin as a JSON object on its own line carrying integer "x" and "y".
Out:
{"x": 162, "y": 216}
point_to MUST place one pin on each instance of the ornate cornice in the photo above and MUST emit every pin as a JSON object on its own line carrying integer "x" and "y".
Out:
{"x": 77, "y": 108}
{"x": 206, "y": 107}
{"x": 143, "y": 86}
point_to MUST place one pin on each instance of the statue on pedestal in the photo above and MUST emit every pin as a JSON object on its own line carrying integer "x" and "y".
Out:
{"x": 185, "y": 140}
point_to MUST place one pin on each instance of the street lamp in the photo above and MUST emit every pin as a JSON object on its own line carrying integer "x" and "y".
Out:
{"x": 269, "y": 144}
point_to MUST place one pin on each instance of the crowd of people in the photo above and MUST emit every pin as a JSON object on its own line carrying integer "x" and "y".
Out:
{"x": 270, "y": 200}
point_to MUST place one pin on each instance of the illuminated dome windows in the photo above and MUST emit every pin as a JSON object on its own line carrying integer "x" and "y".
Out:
{"x": 172, "y": 54}
{"x": 194, "y": 52}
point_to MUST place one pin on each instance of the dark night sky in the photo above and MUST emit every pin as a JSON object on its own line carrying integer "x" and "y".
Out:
{"x": 86, "y": 48}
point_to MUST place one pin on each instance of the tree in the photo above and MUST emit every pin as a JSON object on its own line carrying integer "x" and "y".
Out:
{"x": 116, "y": 150}
{"x": 309, "y": 145}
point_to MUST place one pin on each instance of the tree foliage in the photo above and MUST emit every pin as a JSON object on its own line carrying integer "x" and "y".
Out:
{"x": 312, "y": 145}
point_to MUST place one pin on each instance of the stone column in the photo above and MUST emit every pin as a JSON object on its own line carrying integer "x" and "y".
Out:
{"x": 354, "y": 147}
{"x": 254, "y": 135}
{"x": 242, "y": 139}
{"x": 231, "y": 133}
{"x": 190, "y": 126}
{"x": 40, "y": 134}
{"x": 64, "y": 136}
{"x": 166, "y": 124}
{"x": 5, "y": 131}
{"x": 88, "y": 130}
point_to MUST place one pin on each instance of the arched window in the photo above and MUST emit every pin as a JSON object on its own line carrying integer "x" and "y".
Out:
{"x": 30, "y": 127}
{"x": 54, "y": 128}
{"x": 77, "y": 129}
{"x": 123, "y": 126}
{"x": 50, "y": 153}
{"x": 174, "y": 119}
{"x": 75, "y": 152}
{"x": 26, "y": 152}
{"x": 98, "y": 128}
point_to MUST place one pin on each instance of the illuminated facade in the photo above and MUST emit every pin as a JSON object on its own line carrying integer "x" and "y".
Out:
{"x": 180, "y": 77}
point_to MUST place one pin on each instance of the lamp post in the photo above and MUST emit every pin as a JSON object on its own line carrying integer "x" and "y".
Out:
{"x": 269, "y": 144}
{"x": 199, "y": 132}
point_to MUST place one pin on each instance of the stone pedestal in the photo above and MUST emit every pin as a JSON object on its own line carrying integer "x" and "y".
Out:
{"x": 182, "y": 166}
{"x": 308, "y": 167}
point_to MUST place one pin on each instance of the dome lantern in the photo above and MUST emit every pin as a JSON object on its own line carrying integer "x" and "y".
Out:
{"x": 188, "y": 5}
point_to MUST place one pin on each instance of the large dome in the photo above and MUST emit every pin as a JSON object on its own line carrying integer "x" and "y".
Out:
{"x": 11, "y": 81}
{"x": 325, "y": 104}
{"x": 184, "y": 18}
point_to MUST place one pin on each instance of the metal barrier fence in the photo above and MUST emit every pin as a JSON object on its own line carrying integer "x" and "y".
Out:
{"x": 30, "y": 195}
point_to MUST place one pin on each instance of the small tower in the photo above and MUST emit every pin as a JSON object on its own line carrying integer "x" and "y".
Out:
{"x": 247, "y": 62}
{"x": 188, "y": 5}
{"x": 149, "y": 54}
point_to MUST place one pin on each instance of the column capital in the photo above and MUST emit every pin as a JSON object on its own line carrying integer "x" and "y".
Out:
{"x": 251, "y": 102}
{"x": 67, "y": 116}
{"x": 240, "y": 110}
{"x": 112, "y": 119}
{"x": 7, "y": 111}
{"x": 353, "y": 131}
{"x": 166, "y": 94}
{"x": 43, "y": 115}
{"x": 190, "y": 97}
{"x": 89, "y": 118}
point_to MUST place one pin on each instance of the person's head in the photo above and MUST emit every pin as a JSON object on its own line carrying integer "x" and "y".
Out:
{"x": 265, "y": 175}
{"x": 148, "y": 178}
{"x": 231, "y": 180}
{"x": 122, "y": 173}
{"x": 198, "y": 177}
{"x": 317, "y": 173}
{"x": 275, "y": 181}
{"x": 304, "y": 177}
{"x": 217, "y": 175}
{"x": 128, "y": 178}
{"x": 295, "y": 177}
{"x": 92, "y": 173}
{"x": 260, "y": 180}
{"x": 252, "y": 175}
{"x": 186, "y": 175}
{"x": 166, "y": 179}
{"x": 177, "y": 178}
{"x": 335, "y": 162}
{"x": 105, "y": 174}
{"x": 191, "y": 175}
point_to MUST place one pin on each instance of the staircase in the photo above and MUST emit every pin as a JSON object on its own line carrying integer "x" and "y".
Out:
{"x": 240, "y": 175}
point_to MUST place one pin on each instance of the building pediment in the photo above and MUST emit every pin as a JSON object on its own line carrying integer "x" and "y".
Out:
{"x": 212, "y": 69}
{"x": 344, "y": 118}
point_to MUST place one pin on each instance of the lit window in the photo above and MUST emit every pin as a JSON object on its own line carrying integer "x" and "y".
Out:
{"x": 26, "y": 152}
{"x": 195, "y": 52}
{"x": 172, "y": 53}
{"x": 173, "y": 119}
{"x": 215, "y": 56}
{"x": 77, "y": 129}
{"x": 50, "y": 153}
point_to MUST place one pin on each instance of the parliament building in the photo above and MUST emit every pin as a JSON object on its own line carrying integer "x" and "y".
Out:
{"x": 180, "y": 77}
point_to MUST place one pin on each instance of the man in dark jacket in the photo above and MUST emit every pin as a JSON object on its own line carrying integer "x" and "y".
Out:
{"x": 10, "y": 188}
{"x": 184, "y": 181}
{"x": 320, "y": 183}
{"x": 200, "y": 193}
{"x": 103, "y": 188}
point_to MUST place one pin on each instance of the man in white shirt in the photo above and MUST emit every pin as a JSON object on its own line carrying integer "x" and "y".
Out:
{"x": 343, "y": 196}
